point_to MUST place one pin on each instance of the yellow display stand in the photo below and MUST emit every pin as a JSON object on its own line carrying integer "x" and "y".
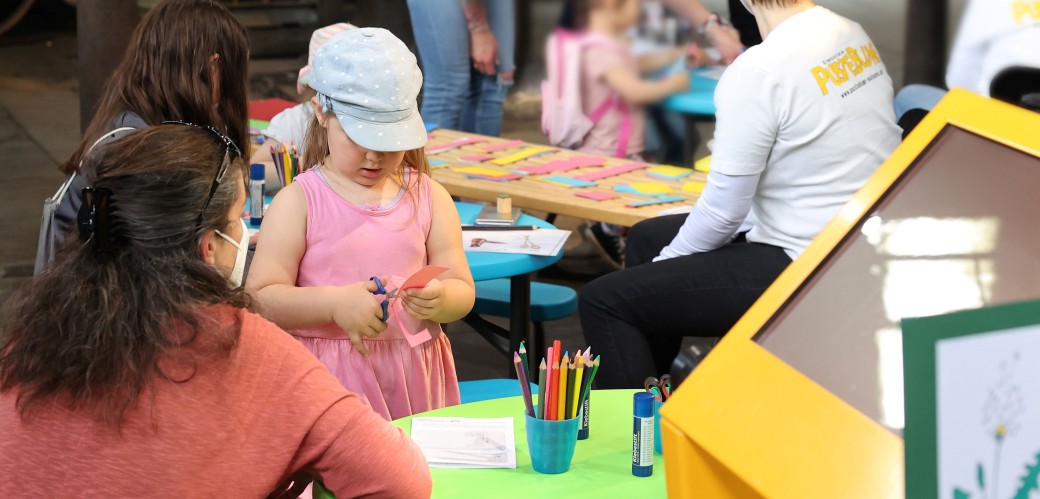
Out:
{"x": 747, "y": 424}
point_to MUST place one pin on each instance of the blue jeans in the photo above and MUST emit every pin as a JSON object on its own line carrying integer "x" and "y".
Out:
{"x": 917, "y": 96}
{"x": 455, "y": 95}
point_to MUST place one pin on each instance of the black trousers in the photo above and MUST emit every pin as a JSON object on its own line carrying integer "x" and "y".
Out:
{"x": 636, "y": 318}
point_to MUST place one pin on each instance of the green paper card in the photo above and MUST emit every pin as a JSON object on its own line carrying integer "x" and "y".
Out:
{"x": 972, "y": 395}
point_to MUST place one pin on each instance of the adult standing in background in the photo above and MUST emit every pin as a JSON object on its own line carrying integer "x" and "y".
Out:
{"x": 715, "y": 28}
{"x": 466, "y": 49}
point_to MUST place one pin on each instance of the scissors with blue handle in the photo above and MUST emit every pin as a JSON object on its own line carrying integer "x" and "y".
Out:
{"x": 661, "y": 387}
{"x": 387, "y": 296}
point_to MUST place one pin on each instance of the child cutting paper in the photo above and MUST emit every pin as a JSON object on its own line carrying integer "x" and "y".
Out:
{"x": 366, "y": 207}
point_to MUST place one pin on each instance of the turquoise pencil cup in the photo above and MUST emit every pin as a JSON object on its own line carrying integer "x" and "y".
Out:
{"x": 657, "y": 426}
{"x": 551, "y": 444}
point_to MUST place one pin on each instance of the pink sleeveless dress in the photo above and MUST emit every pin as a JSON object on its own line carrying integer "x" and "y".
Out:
{"x": 347, "y": 243}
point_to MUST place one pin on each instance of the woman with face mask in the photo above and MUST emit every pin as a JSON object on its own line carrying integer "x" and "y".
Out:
{"x": 133, "y": 366}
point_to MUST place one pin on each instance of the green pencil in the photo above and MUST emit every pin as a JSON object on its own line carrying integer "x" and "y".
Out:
{"x": 588, "y": 382}
{"x": 567, "y": 414}
{"x": 541, "y": 390}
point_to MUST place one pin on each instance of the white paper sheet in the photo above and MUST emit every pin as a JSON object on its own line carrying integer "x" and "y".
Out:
{"x": 544, "y": 242}
{"x": 466, "y": 442}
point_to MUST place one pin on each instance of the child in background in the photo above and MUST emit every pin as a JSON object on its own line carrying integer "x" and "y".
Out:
{"x": 290, "y": 126}
{"x": 366, "y": 207}
{"x": 609, "y": 72}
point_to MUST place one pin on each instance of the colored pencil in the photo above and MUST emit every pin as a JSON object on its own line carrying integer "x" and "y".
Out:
{"x": 550, "y": 386}
{"x": 523, "y": 358}
{"x": 553, "y": 391}
{"x": 568, "y": 399}
{"x": 525, "y": 387}
{"x": 561, "y": 408}
{"x": 541, "y": 390}
{"x": 558, "y": 349}
{"x": 580, "y": 368}
{"x": 588, "y": 381}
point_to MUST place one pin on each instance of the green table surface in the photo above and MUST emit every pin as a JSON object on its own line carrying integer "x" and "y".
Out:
{"x": 602, "y": 464}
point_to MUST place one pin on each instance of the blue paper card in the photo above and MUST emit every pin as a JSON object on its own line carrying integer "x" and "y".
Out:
{"x": 436, "y": 162}
{"x": 656, "y": 201}
{"x": 573, "y": 182}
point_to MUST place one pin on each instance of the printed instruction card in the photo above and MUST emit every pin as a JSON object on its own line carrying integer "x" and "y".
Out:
{"x": 466, "y": 442}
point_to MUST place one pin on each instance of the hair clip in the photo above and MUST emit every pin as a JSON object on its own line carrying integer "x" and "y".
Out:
{"x": 93, "y": 218}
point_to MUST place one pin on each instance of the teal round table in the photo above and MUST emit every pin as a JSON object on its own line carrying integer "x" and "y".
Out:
{"x": 696, "y": 104}
{"x": 601, "y": 468}
{"x": 518, "y": 268}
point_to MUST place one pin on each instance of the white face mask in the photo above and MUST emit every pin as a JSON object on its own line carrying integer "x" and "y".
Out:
{"x": 747, "y": 5}
{"x": 235, "y": 279}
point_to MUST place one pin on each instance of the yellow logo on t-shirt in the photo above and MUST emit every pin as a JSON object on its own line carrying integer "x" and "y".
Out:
{"x": 837, "y": 68}
{"x": 1025, "y": 11}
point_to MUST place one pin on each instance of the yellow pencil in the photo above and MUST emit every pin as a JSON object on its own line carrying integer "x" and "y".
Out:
{"x": 580, "y": 367}
{"x": 561, "y": 409}
{"x": 286, "y": 164}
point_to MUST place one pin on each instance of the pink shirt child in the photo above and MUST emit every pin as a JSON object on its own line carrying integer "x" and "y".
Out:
{"x": 602, "y": 54}
{"x": 238, "y": 428}
{"x": 347, "y": 243}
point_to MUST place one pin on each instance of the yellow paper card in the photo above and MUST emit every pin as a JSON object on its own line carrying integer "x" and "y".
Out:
{"x": 694, "y": 186}
{"x": 669, "y": 171}
{"x": 526, "y": 153}
{"x": 480, "y": 170}
{"x": 650, "y": 188}
{"x": 702, "y": 165}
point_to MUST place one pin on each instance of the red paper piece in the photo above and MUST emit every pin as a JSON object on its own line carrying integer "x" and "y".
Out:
{"x": 265, "y": 109}
{"x": 421, "y": 278}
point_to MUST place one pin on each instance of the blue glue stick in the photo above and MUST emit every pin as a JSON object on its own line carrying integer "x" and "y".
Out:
{"x": 643, "y": 434}
{"x": 256, "y": 194}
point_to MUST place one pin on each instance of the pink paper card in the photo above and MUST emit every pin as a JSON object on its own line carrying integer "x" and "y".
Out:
{"x": 562, "y": 165}
{"x": 596, "y": 195}
{"x": 453, "y": 144}
{"x": 417, "y": 280}
{"x": 476, "y": 158}
{"x": 612, "y": 171}
{"x": 502, "y": 145}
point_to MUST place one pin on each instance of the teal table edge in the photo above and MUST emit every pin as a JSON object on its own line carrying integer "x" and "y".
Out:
{"x": 699, "y": 100}
{"x": 601, "y": 467}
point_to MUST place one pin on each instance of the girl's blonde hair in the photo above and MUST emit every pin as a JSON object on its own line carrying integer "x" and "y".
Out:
{"x": 316, "y": 149}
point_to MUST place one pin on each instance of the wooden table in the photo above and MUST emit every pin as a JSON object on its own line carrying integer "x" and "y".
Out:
{"x": 533, "y": 194}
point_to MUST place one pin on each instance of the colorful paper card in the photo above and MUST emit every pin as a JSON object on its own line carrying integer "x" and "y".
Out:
{"x": 561, "y": 165}
{"x": 567, "y": 181}
{"x": 434, "y": 163}
{"x": 658, "y": 200}
{"x": 453, "y": 145}
{"x": 703, "y": 164}
{"x": 668, "y": 172}
{"x": 644, "y": 189}
{"x": 502, "y": 145}
{"x": 497, "y": 178}
{"x": 612, "y": 171}
{"x": 596, "y": 195}
{"x": 694, "y": 186}
{"x": 526, "y": 153}
{"x": 484, "y": 171}
{"x": 476, "y": 158}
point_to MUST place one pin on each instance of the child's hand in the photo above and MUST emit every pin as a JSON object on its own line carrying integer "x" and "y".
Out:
{"x": 680, "y": 82}
{"x": 359, "y": 313}
{"x": 695, "y": 57}
{"x": 423, "y": 303}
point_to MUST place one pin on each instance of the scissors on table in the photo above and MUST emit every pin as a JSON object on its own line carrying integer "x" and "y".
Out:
{"x": 660, "y": 387}
{"x": 387, "y": 296}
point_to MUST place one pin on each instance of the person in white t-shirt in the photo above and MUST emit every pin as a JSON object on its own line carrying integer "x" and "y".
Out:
{"x": 803, "y": 120}
{"x": 994, "y": 35}
{"x": 290, "y": 125}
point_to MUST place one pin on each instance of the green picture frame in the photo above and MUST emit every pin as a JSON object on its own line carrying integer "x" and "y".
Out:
{"x": 921, "y": 338}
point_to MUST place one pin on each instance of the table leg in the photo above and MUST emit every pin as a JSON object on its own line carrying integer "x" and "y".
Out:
{"x": 519, "y": 315}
